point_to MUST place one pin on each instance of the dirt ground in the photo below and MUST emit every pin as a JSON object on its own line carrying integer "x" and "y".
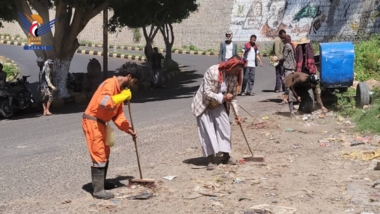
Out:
{"x": 307, "y": 169}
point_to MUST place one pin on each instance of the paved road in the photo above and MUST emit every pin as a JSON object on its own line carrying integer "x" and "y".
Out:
{"x": 46, "y": 158}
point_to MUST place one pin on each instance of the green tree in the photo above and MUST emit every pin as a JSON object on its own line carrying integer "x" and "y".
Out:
{"x": 152, "y": 16}
{"x": 174, "y": 12}
{"x": 71, "y": 16}
{"x": 138, "y": 14}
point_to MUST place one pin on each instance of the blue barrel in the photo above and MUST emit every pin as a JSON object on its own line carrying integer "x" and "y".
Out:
{"x": 337, "y": 64}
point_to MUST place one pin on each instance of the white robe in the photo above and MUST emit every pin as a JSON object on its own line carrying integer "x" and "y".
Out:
{"x": 214, "y": 131}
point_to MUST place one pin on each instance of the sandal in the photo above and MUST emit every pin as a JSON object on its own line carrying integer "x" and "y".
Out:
{"x": 227, "y": 159}
{"x": 231, "y": 161}
{"x": 211, "y": 166}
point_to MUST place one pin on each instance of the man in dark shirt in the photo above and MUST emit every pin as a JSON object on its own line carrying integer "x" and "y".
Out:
{"x": 3, "y": 77}
{"x": 299, "y": 83}
{"x": 157, "y": 67}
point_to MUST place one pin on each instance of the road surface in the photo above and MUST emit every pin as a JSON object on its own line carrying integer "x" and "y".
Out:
{"x": 45, "y": 158}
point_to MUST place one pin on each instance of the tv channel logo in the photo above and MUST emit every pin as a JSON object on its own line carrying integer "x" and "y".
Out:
{"x": 36, "y": 27}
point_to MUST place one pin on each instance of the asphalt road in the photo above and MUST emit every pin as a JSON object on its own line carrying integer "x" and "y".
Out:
{"x": 46, "y": 157}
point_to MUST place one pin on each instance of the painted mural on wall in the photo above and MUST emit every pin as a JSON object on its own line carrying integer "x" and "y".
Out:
{"x": 300, "y": 18}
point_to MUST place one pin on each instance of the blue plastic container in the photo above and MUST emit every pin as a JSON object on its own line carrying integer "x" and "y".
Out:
{"x": 337, "y": 64}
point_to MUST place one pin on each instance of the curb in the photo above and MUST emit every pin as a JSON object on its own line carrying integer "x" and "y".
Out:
{"x": 85, "y": 98}
{"x": 121, "y": 47}
{"x": 87, "y": 52}
{"x": 113, "y": 55}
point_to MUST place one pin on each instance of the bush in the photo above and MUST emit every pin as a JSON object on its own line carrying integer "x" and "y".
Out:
{"x": 315, "y": 48}
{"x": 368, "y": 120}
{"x": 367, "y": 56}
{"x": 346, "y": 103}
{"x": 11, "y": 70}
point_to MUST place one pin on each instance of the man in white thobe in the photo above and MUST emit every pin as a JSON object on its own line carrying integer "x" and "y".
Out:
{"x": 211, "y": 105}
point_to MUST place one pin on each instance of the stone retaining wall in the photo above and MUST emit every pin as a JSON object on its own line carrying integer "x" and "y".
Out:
{"x": 320, "y": 20}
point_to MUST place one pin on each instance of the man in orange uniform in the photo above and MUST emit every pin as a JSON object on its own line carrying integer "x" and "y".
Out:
{"x": 107, "y": 104}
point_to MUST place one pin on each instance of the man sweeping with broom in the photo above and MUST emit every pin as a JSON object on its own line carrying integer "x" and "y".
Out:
{"x": 107, "y": 104}
{"x": 210, "y": 105}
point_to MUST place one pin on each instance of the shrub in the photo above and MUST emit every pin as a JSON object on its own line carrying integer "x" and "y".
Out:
{"x": 367, "y": 59}
{"x": 10, "y": 69}
{"x": 346, "y": 103}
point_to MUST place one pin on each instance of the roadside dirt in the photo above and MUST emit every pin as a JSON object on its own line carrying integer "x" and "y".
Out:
{"x": 305, "y": 171}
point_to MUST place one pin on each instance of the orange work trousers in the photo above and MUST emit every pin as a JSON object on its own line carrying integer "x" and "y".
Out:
{"x": 95, "y": 136}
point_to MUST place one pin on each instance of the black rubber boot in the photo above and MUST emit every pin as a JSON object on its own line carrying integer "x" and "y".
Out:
{"x": 98, "y": 183}
{"x": 107, "y": 185}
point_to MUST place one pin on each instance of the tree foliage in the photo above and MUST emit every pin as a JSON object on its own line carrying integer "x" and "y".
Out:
{"x": 156, "y": 14}
{"x": 71, "y": 16}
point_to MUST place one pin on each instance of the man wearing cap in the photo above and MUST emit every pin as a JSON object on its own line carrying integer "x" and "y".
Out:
{"x": 107, "y": 104}
{"x": 227, "y": 48}
{"x": 46, "y": 87}
{"x": 40, "y": 63}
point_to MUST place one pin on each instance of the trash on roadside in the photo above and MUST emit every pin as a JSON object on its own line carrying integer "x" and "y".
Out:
{"x": 289, "y": 130}
{"x": 296, "y": 146}
{"x": 241, "y": 199}
{"x": 259, "y": 125}
{"x": 265, "y": 118}
{"x": 363, "y": 155}
{"x": 66, "y": 202}
{"x": 242, "y": 161}
{"x": 266, "y": 208}
{"x": 340, "y": 118}
{"x": 238, "y": 180}
{"x": 142, "y": 196}
{"x": 375, "y": 139}
{"x": 324, "y": 143}
{"x": 356, "y": 143}
{"x": 192, "y": 196}
{"x": 199, "y": 167}
{"x": 170, "y": 177}
{"x": 363, "y": 139}
{"x": 211, "y": 185}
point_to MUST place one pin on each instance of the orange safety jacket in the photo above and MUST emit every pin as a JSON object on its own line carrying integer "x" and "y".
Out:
{"x": 103, "y": 108}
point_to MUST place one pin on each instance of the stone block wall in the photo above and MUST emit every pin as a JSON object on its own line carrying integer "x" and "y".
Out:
{"x": 322, "y": 20}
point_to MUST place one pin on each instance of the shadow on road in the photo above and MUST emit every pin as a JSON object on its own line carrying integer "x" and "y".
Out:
{"x": 271, "y": 100}
{"x": 284, "y": 114}
{"x": 201, "y": 161}
{"x": 267, "y": 91}
{"x": 176, "y": 89}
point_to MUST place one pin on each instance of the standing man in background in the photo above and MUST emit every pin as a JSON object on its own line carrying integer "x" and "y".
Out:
{"x": 46, "y": 87}
{"x": 227, "y": 48}
{"x": 251, "y": 54}
{"x": 156, "y": 58}
{"x": 278, "y": 47}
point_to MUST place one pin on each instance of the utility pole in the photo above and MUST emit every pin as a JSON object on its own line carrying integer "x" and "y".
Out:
{"x": 105, "y": 43}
